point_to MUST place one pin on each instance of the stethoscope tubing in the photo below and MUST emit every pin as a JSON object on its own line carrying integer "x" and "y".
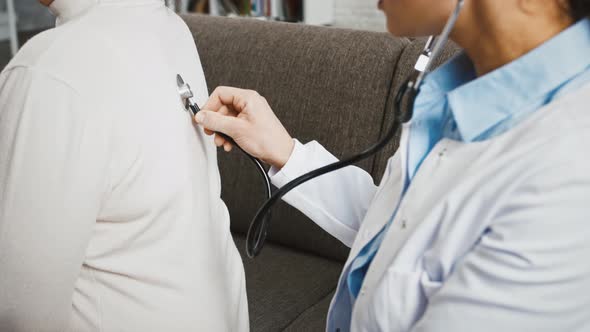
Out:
{"x": 258, "y": 230}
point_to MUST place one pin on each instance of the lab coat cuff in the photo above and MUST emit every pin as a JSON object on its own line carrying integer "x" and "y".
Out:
{"x": 292, "y": 169}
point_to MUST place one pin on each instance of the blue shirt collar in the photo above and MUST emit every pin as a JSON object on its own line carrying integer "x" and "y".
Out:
{"x": 478, "y": 104}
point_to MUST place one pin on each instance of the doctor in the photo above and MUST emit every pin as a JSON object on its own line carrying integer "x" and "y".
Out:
{"x": 482, "y": 220}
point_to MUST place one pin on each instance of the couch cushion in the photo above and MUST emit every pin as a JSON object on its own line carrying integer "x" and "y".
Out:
{"x": 314, "y": 318}
{"x": 283, "y": 284}
{"x": 325, "y": 84}
{"x": 404, "y": 68}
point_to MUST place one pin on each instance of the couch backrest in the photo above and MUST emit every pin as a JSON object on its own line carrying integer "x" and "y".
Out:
{"x": 330, "y": 85}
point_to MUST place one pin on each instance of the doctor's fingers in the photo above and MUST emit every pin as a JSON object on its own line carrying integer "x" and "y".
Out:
{"x": 227, "y": 146}
{"x": 217, "y": 122}
{"x": 220, "y": 141}
{"x": 237, "y": 99}
{"x": 224, "y": 110}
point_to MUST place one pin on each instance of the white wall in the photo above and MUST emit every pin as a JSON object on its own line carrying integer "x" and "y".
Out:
{"x": 358, "y": 14}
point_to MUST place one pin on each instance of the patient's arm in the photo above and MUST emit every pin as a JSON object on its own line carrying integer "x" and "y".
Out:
{"x": 51, "y": 168}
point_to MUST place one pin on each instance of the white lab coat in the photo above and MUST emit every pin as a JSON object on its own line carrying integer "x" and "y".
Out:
{"x": 110, "y": 210}
{"x": 491, "y": 236}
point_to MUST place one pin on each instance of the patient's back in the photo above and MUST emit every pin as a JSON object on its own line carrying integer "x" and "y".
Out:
{"x": 157, "y": 254}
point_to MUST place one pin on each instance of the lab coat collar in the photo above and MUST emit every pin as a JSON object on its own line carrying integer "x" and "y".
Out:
{"x": 535, "y": 75}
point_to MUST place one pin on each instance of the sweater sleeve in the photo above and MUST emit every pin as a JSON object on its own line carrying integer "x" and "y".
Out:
{"x": 52, "y": 167}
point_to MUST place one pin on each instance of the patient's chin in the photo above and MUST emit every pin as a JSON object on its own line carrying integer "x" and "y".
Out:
{"x": 46, "y": 2}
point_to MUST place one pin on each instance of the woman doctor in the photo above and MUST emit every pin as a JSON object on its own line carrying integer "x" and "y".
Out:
{"x": 482, "y": 220}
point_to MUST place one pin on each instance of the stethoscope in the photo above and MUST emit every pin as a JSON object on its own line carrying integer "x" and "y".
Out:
{"x": 406, "y": 95}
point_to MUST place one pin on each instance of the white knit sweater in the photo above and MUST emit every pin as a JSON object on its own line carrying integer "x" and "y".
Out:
{"x": 110, "y": 209}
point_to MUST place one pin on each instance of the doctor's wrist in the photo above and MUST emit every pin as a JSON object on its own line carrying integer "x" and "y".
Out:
{"x": 282, "y": 153}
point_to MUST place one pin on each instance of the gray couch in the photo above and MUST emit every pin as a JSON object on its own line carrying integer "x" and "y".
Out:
{"x": 331, "y": 85}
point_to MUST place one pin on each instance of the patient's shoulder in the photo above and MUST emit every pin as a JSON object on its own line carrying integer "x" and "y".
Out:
{"x": 65, "y": 54}
{"x": 34, "y": 50}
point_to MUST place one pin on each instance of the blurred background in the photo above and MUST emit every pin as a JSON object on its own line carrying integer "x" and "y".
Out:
{"x": 22, "y": 19}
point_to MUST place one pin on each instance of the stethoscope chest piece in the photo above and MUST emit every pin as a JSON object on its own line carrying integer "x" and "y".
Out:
{"x": 186, "y": 95}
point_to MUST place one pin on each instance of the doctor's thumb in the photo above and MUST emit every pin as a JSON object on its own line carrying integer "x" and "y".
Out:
{"x": 217, "y": 122}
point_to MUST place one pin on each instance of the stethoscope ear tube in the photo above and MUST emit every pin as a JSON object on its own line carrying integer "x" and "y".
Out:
{"x": 258, "y": 232}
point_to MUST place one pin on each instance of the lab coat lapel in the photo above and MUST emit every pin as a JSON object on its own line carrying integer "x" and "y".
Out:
{"x": 378, "y": 214}
{"x": 386, "y": 199}
{"x": 382, "y": 207}
{"x": 407, "y": 220}
{"x": 412, "y": 216}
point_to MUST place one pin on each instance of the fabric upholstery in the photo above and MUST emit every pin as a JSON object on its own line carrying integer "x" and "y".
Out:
{"x": 314, "y": 318}
{"x": 325, "y": 84}
{"x": 283, "y": 284}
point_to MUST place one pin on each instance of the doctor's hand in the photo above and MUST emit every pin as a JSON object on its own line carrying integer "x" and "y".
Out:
{"x": 245, "y": 116}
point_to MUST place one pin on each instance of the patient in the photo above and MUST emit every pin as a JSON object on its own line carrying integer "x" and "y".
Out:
{"x": 110, "y": 209}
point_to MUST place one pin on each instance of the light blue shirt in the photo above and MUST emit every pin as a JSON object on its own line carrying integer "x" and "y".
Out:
{"x": 454, "y": 103}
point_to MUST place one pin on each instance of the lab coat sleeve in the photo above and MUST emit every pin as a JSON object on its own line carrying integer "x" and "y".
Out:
{"x": 535, "y": 253}
{"x": 51, "y": 165}
{"x": 337, "y": 201}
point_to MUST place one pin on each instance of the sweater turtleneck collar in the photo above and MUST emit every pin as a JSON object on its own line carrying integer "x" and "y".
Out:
{"x": 66, "y": 10}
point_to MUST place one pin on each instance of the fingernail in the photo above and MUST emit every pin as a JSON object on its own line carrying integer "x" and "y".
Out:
{"x": 199, "y": 117}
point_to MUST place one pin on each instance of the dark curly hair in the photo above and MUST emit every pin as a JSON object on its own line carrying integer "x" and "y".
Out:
{"x": 579, "y": 9}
